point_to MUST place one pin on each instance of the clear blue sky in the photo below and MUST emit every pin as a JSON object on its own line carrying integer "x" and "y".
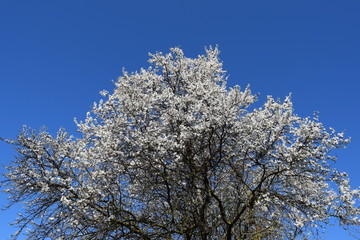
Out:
{"x": 55, "y": 56}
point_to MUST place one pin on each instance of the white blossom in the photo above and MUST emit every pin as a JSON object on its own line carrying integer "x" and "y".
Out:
{"x": 173, "y": 153}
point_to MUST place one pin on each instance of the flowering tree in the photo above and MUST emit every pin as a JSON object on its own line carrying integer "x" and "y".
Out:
{"x": 175, "y": 154}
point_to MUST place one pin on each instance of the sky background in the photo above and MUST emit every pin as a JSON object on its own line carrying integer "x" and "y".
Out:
{"x": 55, "y": 57}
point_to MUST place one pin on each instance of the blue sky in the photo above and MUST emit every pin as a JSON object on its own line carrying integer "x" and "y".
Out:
{"x": 55, "y": 56}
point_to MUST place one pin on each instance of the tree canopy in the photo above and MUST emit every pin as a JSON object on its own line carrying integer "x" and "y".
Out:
{"x": 173, "y": 153}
